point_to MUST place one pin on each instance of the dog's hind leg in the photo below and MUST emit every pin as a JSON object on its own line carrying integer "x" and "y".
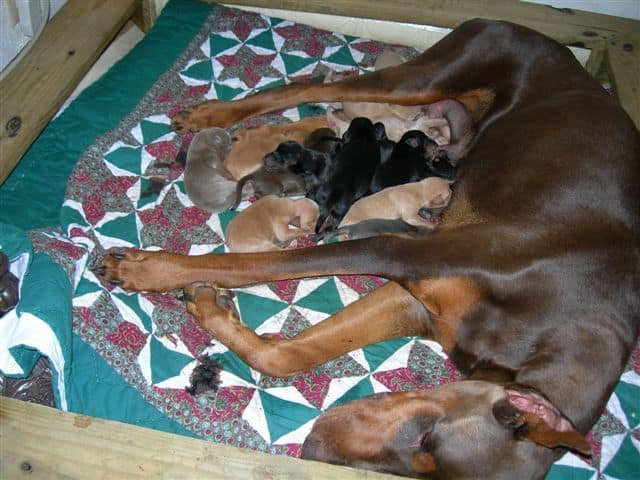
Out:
{"x": 386, "y": 313}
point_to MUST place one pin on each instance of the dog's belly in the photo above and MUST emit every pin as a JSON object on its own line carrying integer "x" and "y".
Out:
{"x": 461, "y": 210}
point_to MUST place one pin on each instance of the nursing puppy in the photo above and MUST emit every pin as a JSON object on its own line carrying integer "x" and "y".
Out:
{"x": 396, "y": 119}
{"x": 208, "y": 183}
{"x": 350, "y": 178}
{"x": 408, "y": 163}
{"x": 455, "y": 137}
{"x": 323, "y": 140}
{"x": 312, "y": 165}
{"x": 418, "y": 204}
{"x": 280, "y": 182}
{"x": 250, "y": 145}
{"x": 270, "y": 224}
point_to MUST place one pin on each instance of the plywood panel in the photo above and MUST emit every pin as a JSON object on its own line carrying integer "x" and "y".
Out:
{"x": 49, "y": 443}
{"x": 565, "y": 25}
{"x": 622, "y": 59}
{"x": 36, "y": 88}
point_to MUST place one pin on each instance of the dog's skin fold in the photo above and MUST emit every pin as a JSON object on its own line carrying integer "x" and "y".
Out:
{"x": 530, "y": 283}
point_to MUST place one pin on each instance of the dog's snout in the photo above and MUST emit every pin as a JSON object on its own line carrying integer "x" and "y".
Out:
{"x": 313, "y": 449}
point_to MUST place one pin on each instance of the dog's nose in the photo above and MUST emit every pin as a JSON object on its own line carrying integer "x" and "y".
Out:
{"x": 313, "y": 449}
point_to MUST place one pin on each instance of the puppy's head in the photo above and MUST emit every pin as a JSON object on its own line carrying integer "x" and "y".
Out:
{"x": 360, "y": 127}
{"x": 415, "y": 141}
{"x": 287, "y": 155}
{"x": 209, "y": 146}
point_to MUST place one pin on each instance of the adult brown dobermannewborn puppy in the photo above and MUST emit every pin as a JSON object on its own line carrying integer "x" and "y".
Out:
{"x": 530, "y": 284}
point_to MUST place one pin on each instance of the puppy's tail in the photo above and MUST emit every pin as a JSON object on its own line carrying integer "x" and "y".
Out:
{"x": 239, "y": 188}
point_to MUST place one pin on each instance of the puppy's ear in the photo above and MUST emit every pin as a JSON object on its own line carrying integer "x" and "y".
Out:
{"x": 295, "y": 221}
{"x": 532, "y": 417}
{"x": 413, "y": 142}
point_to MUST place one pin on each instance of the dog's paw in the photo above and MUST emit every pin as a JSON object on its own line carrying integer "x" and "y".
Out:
{"x": 211, "y": 308}
{"x": 198, "y": 117}
{"x": 200, "y": 298}
{"x": 136, "y": 270}
{"x": 181, "y": 122}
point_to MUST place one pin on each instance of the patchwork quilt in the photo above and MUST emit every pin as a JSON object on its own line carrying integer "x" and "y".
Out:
{"x": 128, "y": 356}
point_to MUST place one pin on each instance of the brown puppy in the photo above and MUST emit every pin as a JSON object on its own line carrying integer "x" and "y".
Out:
{"x": 391, "y": 116}
{"x": 265, "y": 181}
{"x": 208, "y": 183}
{"x": 267, "y": 224}
{"x": 404, "y": 202}
{"x": 252, "y": 144}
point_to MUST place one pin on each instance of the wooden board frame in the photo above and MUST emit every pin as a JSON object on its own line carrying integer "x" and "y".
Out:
{"x": 32, "y": 436}
{"x": 38, "y": 85}
{"x": 50, "y": 443}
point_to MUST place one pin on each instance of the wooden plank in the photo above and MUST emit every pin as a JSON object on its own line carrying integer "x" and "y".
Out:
{"x": 595, "y": 61}
{"x": 568, "y": 26}
{"x": 49, "y": 443}
{"x": 36, "y": 88}
{"x": 145, "y": 15}
{"x": 622, "y": 60}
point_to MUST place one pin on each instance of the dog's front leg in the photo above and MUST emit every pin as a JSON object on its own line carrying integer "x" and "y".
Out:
{"x": 160, "y": 271}
{"x": 386, "y": 313}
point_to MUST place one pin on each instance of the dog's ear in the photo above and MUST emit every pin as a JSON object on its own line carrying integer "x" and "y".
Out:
{"x": 532, "y": 417}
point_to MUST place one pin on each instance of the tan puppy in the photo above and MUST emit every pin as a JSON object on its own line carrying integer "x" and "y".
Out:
{"x": 391, "y": 116}
{"x": 270, "y": 223}
{"x": 250, "y": 145}
{"x": 397, "y": 119}
{"x": 408, "y": 202}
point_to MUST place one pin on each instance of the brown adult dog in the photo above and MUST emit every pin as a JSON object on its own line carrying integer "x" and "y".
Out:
{"x": 270, "y": 223}
{"x": 530, "y": 285}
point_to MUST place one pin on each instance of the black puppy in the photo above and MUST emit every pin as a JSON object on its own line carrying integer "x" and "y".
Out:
{"x": 410, "y": 163}
{"x": 385, "y": 146}
{"x": 311, "y": 165}
{"x": 350, "y": 178}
